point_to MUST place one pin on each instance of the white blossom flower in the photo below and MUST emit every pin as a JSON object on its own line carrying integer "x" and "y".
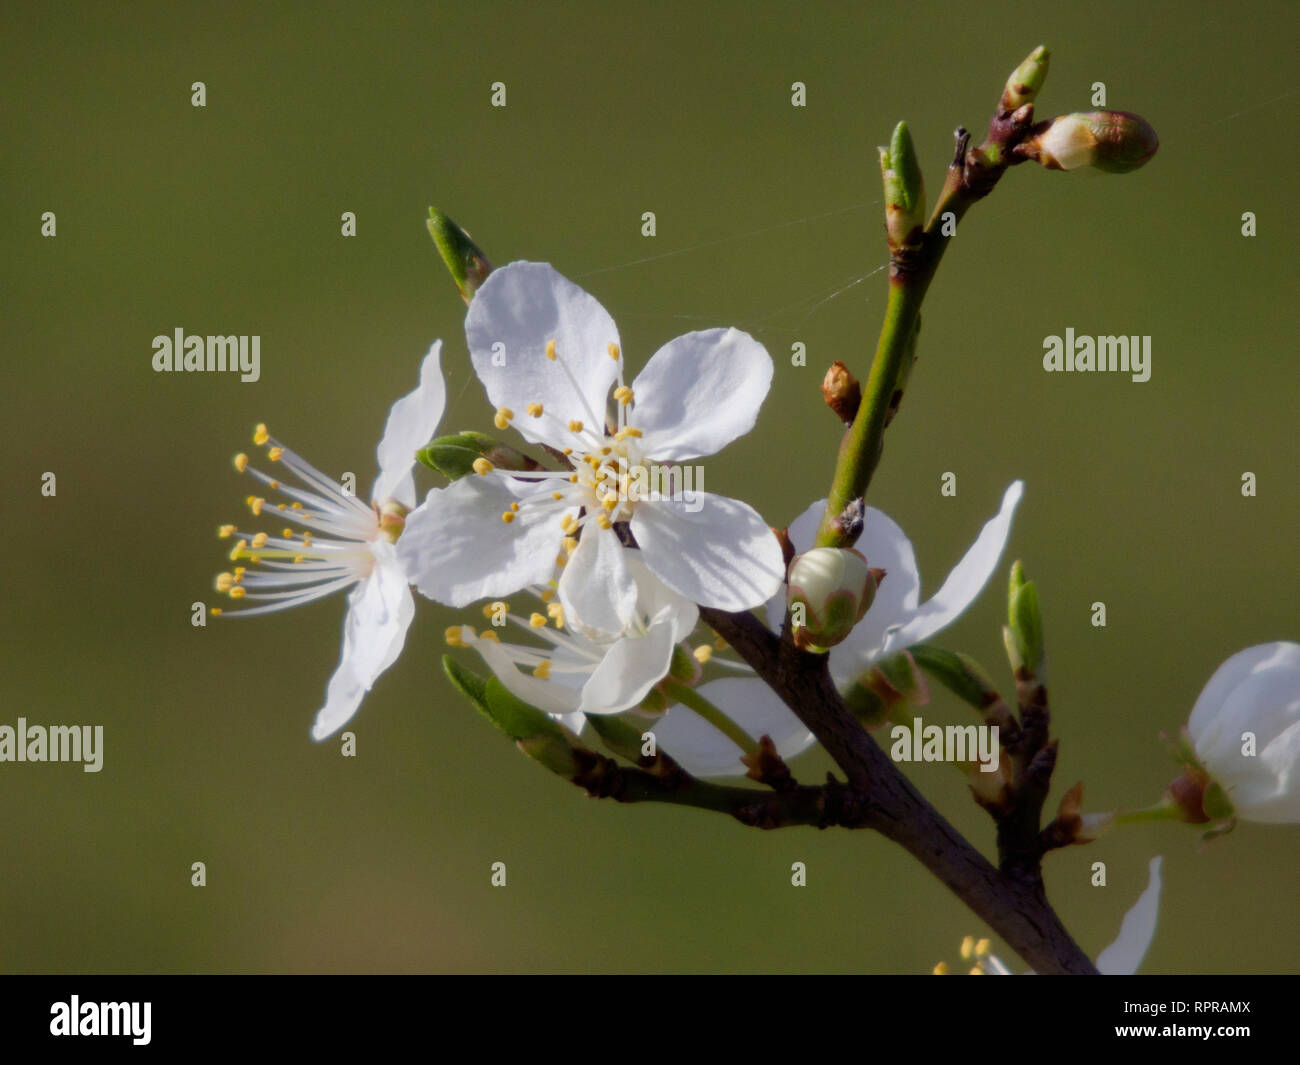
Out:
{"x": 548, "y": 355}
{"x": 583, "y": 670}
{"x": 895, "y": 621}
{"x": 344, "y": 543}
{"x": 1245, "y": 729}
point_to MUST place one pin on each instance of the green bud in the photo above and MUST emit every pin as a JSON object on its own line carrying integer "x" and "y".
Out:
{"x": 1113, "y": 141}
{"x": 534, "y": 732}
{"x": 1026, "y": 80}
{"x": 455, "y": 456}
{"x": 830, "y": 589}
{"x": 618, "y": 734}
{"x": 904, "y": 189}
{"x": 1025, "y": 624}
{"x": 468, "y": 265}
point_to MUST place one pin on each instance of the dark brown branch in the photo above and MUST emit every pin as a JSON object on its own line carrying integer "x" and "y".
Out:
{"x": 1015, "y": 908}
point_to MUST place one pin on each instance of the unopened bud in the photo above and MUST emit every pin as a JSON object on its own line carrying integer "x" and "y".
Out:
{"x": 1114, "y": 141}
{"x": 842, "y": 392}
{"x": 461, "y": 454}
{"x": 1025, "y": 81}
{"x": 904, "y": 189}
{"x": 834, "y": 588}
{"x": 468, "y": 266}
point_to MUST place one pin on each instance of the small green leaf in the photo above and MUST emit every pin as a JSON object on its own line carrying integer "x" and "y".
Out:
{"x": 959, "y": 673}
{"x": 534, "y": 732}
{"x": 454, "y": 456}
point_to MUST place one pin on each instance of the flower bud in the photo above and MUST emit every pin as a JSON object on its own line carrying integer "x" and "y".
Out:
{"x": 461, "y": 454}
{"x": 1114, "y": 141}
{"x": 1245, "y": 733}
{"x": 830, "y": 590}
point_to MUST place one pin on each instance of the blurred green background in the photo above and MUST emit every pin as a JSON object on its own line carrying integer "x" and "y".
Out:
{"x": 226, "y": 220}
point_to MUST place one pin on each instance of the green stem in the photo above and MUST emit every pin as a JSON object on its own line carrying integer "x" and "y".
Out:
{"x": 910, "y": 272}
{"x": 689, "y": 697}
{"x": 1161, "y": 811}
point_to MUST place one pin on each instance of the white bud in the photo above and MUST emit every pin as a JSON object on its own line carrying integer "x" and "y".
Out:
{"x": 836, "y": 587}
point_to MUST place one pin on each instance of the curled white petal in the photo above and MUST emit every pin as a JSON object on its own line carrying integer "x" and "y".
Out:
{"x": 1123, "y": 957}
{"x": 411, "y": 424}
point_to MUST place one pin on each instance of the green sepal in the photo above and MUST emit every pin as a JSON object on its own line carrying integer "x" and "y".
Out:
{"x": 619, "y": 734}
{"x": 467, "y": 264}
{"x": 904, "y": 188}
{"x": 1026, "y": 80}
{"x": 1025, "y": 623}
{"x": 454, "y": 456}
{"x": 534, "y": 732}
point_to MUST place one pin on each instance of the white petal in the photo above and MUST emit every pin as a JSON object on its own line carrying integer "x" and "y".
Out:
{"x": 1123, "y": 957}
{"x": 965, "y": 582}
{"x": 722, "y": 555}
{"x": 747, "y": 701}
{"x": 455, "y": 548}
{"x": 596, "y": 588}
{"x": 700, "y": 392}
{"x": 657, "y": 602}
{"x": 380, "y": 610}
{"x": 556, "y": 696}
{"x": 631, "y": 667}
{"x": 411, "y": 424}
{"x": 521, "y": 307}
{"x": 1231, "y": 674}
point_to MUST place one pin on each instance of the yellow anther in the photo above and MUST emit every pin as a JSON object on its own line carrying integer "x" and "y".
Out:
{"x": 273, "y": 485}
{"x": 609, "y": 502}
{"x": 573, "y": 478}
{"x": 254, "y": 558}
{"x": 603, "y": 521}
{"x": 703, "y": 653}
{"x": 575, "y": 426}
{"x": 569, "y": 544}
{"x": 300, "y": 558}
{"x": 941, "y": 969}
{"x": 287, "y": 533}
{"x": 543, "y": 670}
{"x": 625, "y": 432}
{"x": 482, "y": 467}
{"x": 556, "y": 612}
{"x": 281, "y": 506}
{"x": 967, "y": 948}
{"x": 306, "y": 539}
{"x": 215, "y": 611}
{"x": 546, "y": 595}
{"x": 488, "y": 634}
{"x": 977, "y": 971}
{"x": 453, "y": 637}
{"x": 260, "y": 539}
{"x": 534, "y": 410}
{"x": 612, "y": 348}
{"x": 606, "y": 450}
{"x": 238, "y": 592}
{"x": 568, "y": 523}
{"x": 624, "y": 394}
{"x": 503, "y": 416}
{"x": 567, "y": 451}
{"x": 560, "y": 560}
{"x": 239, "y": 573}
{"x": 981, "y": 948}
{"x": 260, "y": 435}
{"x": 225, "y": 581}
{"x": 557, "y": 495}
{"x": 275, "y": 453}
{"x": 537, "y": 621}
{"x": 225, "y": 531}
{"x": 719, "y": 644}
{"x": 237, "y": 551}
{"x": 241, "y": 462}
{"x": 514, "y": 507}
{"x": 508, "y": 516}
{"x": 550, "y": 350}
{"x": 296, "y": 506}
